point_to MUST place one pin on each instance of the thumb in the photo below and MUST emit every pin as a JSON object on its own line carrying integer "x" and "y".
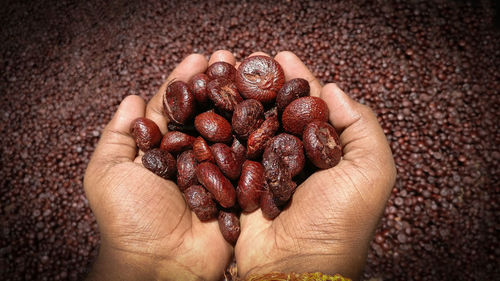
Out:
{"x": 365, "y": 146}
{"x": 117, "y": 144}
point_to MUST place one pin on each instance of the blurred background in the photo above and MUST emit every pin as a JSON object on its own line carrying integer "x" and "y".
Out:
{"x": 429, "y": 69}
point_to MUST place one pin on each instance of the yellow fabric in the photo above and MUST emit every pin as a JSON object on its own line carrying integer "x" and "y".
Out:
{"x": 317, "y": 276}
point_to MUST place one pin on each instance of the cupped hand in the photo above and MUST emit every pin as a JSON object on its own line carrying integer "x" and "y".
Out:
{"x": 147, "y": 230}
{"x": 333, "y": 214}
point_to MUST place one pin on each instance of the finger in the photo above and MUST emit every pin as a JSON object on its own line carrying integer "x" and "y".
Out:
{"x": 362, "y": 136}
{"x": 116, "y": 144}
{"x": 295, "y": 68}
{"x": 258, "y": 54}
{"x": 222, "y": 55}
{"x": 191, "y": 65}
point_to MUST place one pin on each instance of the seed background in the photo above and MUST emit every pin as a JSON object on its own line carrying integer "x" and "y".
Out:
{"x": 429, "y": 69}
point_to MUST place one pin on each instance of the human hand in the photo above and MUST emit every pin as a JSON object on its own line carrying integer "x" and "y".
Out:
{"x": 330, "y": 222}
{"x": 147, "y": 230}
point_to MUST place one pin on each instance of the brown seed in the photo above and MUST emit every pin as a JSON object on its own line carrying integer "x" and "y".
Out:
{"x": 176, "y": 142}
{"x": 229, "y": 225}
{"x": 259, "y": 138}
{"x": 269, "y": 208}
{"x": 322, "y": 144}
{"x": 224, "y": 94}
{"x": 200, "y": 202}
{"x": 247, "y": 117}
{"x": 160, "y": 162}
{"x": 260, "y": 78}
{"x": 198, "y": 86}
{"x": 211, "y": 177}
{"x": 250, "y": 185}
{"x": 146, "y": 133}
{"x": 301, "y": 112}
{"x": 292, "y": 90}
{"x": 213, "y": 127}
{"x": 186, "y": 170}
{"x": 178, "y": 102}
{"x": 221, "y": 69}
{"x": 289, "y": 150}
{"x": 202, "y": 151}
{"x": 226, "y": 160}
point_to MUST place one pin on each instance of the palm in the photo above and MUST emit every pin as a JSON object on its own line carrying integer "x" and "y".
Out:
{"x": 148, "y": 216}
{"x": 329, "y": 222}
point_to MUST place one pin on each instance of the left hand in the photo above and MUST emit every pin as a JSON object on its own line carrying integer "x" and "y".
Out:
{"x": 147, "y": 230}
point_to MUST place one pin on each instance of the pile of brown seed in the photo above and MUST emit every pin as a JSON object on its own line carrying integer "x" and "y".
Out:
{"x": 430, "y": 70}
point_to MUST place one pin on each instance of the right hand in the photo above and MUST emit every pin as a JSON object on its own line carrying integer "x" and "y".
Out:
{"x": 330, "y": 223}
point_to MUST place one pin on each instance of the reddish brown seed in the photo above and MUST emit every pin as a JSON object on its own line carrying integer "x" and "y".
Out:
{"x": 322, "y": 144}
{"x": 226, "y": 160}
{"x": 224, "y": 94}
{"x": 160, "y": 162}
{"x": 146, "y": 133}
{"x": 198, "y": 86}
{"x": 200, "y": 202}
{"x": 269, "y": 208}
{"x": 250, "y": 185}
{"x": 213, "y": 127}
{"x": 229, "y": 225}
{"x": 289, "y": 150}
{"x": 301, "y": 112}
{"x": 292, "y": 90}
{"x": 258, "y": 139}
{"x": 186, "y": 170}
{"x": 239, "y": 151}
{"x": 247, "y": 117}
{"x": 211, "y": 177}
{"x": 176, "y": 142}
{"x": 202, "y": 151}
{"x": 178, "y": 102}
{"x": 221, "y": 69}
{"x": 283, "y": 159}
{"x": 260, "y": 78}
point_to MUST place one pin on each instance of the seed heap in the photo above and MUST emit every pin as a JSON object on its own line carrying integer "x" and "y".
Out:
{"x": 238, "y": 108}
{"x": 430, "y": 70}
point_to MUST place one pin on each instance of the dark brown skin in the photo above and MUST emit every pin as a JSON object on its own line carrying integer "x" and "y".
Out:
{"x": 260, "y": 78}
{"x": 198, "y": 86}
{"x": 322, "y": 144}
{"x": 292, "y": 90}
{"x": 301, "y": 112}
{"x": 211, "y": 177}
{"x": 146, "y": 133}
{"x": 221, "y": 69}
{"x": 250, "y": 185}
{"x": 186, "y": 170}
{"x": 178, "y": 102}
{"x": 213, "y": 127}
{"x": 269, "y": 208}
{"x": 160, "y": 162}
{"x": 226, "y": 160}
{"x": 202, "y": 151}
{"x": 224, "y": 94}
{"x": 229, "y": 225}
{"x": 176, "y": 142}
{"x": 200, "y": 202}
{"x": 247, "y": 117}
{"x": 259, "y": 138}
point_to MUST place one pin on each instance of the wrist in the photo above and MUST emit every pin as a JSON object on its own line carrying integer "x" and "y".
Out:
{"x": 349, "y": 262}
{"x": 115, "y": 264}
